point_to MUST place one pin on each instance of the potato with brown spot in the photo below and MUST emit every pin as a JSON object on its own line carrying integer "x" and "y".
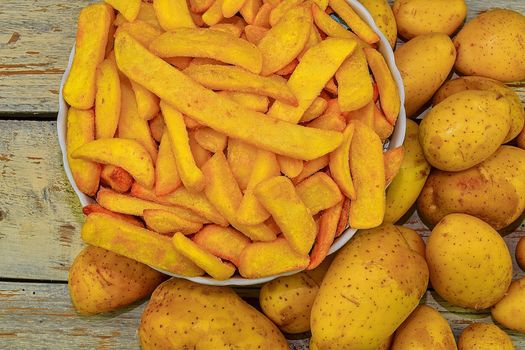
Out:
{"x": 510, "y": 311}
{"x": 484, "y": 336}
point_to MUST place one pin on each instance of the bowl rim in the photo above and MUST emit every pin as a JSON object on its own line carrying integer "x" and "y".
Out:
{"x": 395, "y": 140}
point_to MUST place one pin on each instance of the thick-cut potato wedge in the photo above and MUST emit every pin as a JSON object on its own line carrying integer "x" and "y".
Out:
{"x": 231, "y": 7}
{"x": 288, "y": 69}
{"x": 393, "y": 159}
{"x": 252, "y": 101}
{"x": 262, "y": 19}
{"x": 147, "y": 102}
{"x": 285, "y": 41}
{"x": 200, "y": 6}
{"x": 217, "y": 111}
{"x": 107, "y": 99}
{"x": 128, "y": 8}
{"x": 96, "y": 208}
{"x": 166, "y": 222}
{"x": 315, "y": 110}
{"x": 228, "y": 28}
{"x": 314, "y": 38}
{"x": 289, "y": 166}
{"x": 218, "y": 77}
{"x": 329, "y": 121}
{"x": 147, "y": 14}
{"x": 262, "y": 259}
{"x": 213, "y": 14}
{"x": 197, "y": 61}
{"x": 249, "y": 10}
{"x": 388, "y": 93}
{"x": 241, "y": 157}
{"x": 319, "y": 192}
{"x": 352, "y": 19}
{"x": 117, "y": 178}
{"x": 354, "y": 84}
{"x": 191, "y": 123}
{"x": 92, "y": 36}
{"x": 311, "y": 167}
{"x": 81, "y": 131}
{"x": 340, "y": 166}
{"x": 173, "y": 14}
{"x": 314, "y": 70}
{"x": 326, "y": 235}
{"x": 368, "y": 174}
{"x": 157, "y": 126}
{"x": 381, "y": 126}
{"x": 136, "y": 243}
{"x": 208, "y": 262}
{"x": 144, "y": 32}
{"x": 254, "y": 34}
{"x": 190, "y": 175}
{"x": 329, "y": 26}
{"x": 200, "y": 154}
{"x": 223, "y": 242}
{"x": 201, "y": 42}
{"x": 283, "y": 7}
{"x": 365, "y": 114}
{"x": 280, "y": 198}
{"x": 167, "y": 177}
{"x": 210, "y": 139}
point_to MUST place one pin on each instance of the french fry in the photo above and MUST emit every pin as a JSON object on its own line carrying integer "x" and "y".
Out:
{"x": 210, "y": 139}
{"x": 157, "y": 126}
{"x": 200, "y": 154}
{"x": 285, "y": 41}
{"x": 319, "y": 192}
{"x": 283, "y": 7}
{"x": 198, "y": 61}
{"x": 254, "y": 33}
{"x": 329, "y": 26}
{"x": 352, "y": 19}
{"x": 340, "y": 166}
{"x": 324, "y": 59}
{"x": 249, "y": 10}
{"x": 288, "y": 69}
{"x": 173, "y": 14}
{"x": 217, "y": 111}
{"x": 231, "y": 7}
{"x": 229, "y": 28}
{"x": 167, "y": 223}
{"x": 331, "y": 87}
{"x": 289, "y": 166}
{"x": 368, "y": 172}
{"x": 343, "y": 219}
{"x": 393, "y": 159}
{"x": 262, "y": 19}
{"x": 213, "y": 265}
{"x": 321, "y": 4}
{"x": 179, "y": 62}
{"x": 80, "y": 131}
{"x": 365, "y": 114}
{"x": 147, "y": 14}
{"x": 280, "y": 198}
{"x": 190, "y": 175}
{"x": 147, "y": 103}
{"x": 252, "y": 101}
{"x": 241, "y": 157}
{"x": 262, "y": 259}
{"x": 315, "y": 109}
{"x": 231, "y": 78}
{"x": 201, "y": 42}
{"x": 314, "y": 38}
{"x": 213, "y": 14}
{"x": 223, "y": 242}
{"x": 117, "y": 178}
{"x": 381, "y": 126}
{"x": 326, "y": 235}
{"x": 311, "y": 167}
{"x": 128, "y": 8}
{"x": 329, "y": 121}
{"x": 95, "y": 208}
{"x": 273, "y": 226}
{"x": 191, "y": 123}
{"x": 167, "y": 178}
{"x": 107, "y": 99}
{"x": 200, "y": 6}
{"x": 224, "y": 193}
{"x": 388, "y": 93}
{"x": 333, "y": 107}
{"x": 136, "y": 243}
{"x": 354, "y": 83}
{"x": 92, "y": 36}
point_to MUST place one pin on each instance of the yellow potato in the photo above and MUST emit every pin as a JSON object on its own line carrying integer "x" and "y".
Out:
{"x": 173, "y": 14}
{"x": 459, "y": 270}
{"x": 147, "y": 102}
{"x": 315, "y": 110}
{"x": 354, "y": 84}
{"x": 218, "y": 314}
{"x": 102, "y": 281}
{"x": 352, "y": 19}
{"x": 254, "y": 102}
{"x": 223, "y": 242}
{"x": 520, "y": 253}
{"x": 386, "y": 344}
{"x": 116, "y": 178}
{"x": 424, "y": 63}
{"x": 210, "y": 139}
{"x": 167, "y": 223}
{"x": 510, "y": 311}
{"x": 340, "y": 164}
{"x": 491, "y": 45}
{"x": 484, "y": 336}
{"x": 383, "y": 17}
{"x": 413, "y": 239}
{"x": 167, "y": 178}
{"x": 128, "y": 8}
{"x": 241, "y": 156}
{"x": 393, "y": 158}
{"x": 107, "y": 99}
{"x": 319, "y": 192}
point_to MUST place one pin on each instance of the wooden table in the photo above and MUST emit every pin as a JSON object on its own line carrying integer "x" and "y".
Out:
{"x": 40, "y": 216}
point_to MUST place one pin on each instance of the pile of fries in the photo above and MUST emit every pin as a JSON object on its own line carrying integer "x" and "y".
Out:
{"x": 226, "y": 135}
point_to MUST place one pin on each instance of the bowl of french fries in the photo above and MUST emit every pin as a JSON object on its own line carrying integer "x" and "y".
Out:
{"x": 230, "y": 145}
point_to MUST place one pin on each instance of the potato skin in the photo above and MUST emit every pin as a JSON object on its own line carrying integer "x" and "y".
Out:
{"x": 101, "y": 281}
{"x": 520, "y": 253}
{"x": 418, "y": 17}
{"x": 484, "y": 336}
{"x": 493, "y": 45}
{"x": 383, "y": 17}
{"x": 413, "y": 239}
{"x": 460, "y": 271}
{"x": 185, "y": 315}
{"x": 510, "y": 311}
{"x": 424, "y": 63}
{"x": 375, "y": 271}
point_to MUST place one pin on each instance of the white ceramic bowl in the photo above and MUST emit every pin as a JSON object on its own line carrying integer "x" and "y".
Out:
{"x": 396, "y": 140}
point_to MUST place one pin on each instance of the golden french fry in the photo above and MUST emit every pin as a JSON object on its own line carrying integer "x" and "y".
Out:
{"x": 388, "y": 93}
{"x": 283, "y": 7}
{"x": 107, "y": 100}
{"x": 241, "y": 157}
{"x": 381, "y": 126}
{"x": 229, "y": 28}
{"x": 96, "y": 208}
{"x": 157, "y": 126}
{"x": 354, "y": 83}
{"x": 167, "y": 178}
{"x": 280, "y": 198}
{"x": 223, "y": 242}
{"x": 249, "y": 10}
{"x": 254, "y": 102}
{"x": 311, "y": 167}
{"x": 144, "y": 32}
{"x": 352, "y": 19}
{"x": 147, "y": 103}
{"x": 210, "y": 139}
{"x": 117, "y": 178}
{"x": 329, "y": 26}
{"x": 224, "y": 193}
{"x": 315, "y": 110}
{"x": 191, "y": 123}
{"x": 92, "y": 36}
{"x": 202, "y": 42}
{"x": 365, "y": 114}
{"x": 200, "y": 154}
{"x": 288, "y": 69}
{"x": 340, "y": 166}
{"x": 329, "y": 121}
{"x": 173, "y": 14}
{"x": 217, "y": 111}
{"x": 147, "y": 14}
{"x": 136, "y": 243}
{"x": 197, "y": 61}
{"x": 218, "y": 77}
{"x": 314, "y": 70}
{"x": 368, "y": 173}
{"x": 393, "y": 159}
{"x": 326, "y": 235}
{"x": 213, "y": 14}
{"x": 314, "y": 38}
{"x": 283, "y": 43}
{"x": 319, "y": 192}
{"x": 289, "y": 166}
{"x": 200, "y": 6}
{"x": 343, "y": 219}
{"x": 80, "y": 131}
{"x": 254, "y": 33}
{"x": 262, "y": 259}
{"x": 190, "y": 175}
{"x": 179, "y": 62}
{"x": 262, "y": 18}
{"x": 231, "y": 7}
{"x": 331, "y": 87}
{"x": 166, "y": 222}
{"x": 128, "y": 8}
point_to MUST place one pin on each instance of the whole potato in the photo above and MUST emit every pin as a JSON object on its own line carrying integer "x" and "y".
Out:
{"x": 493, "y": 45}
{"x": 465, "y": 129}
{"x": 425, "y": 328}
{"x": 424, "y": 63}
{"x": 186, "y": 315}
{"x": 520, "y": 253}
{"x": 101, "y": 281}
{"x": 510, "y": 311}
{"x": 374, "y": 272}
{"x": 469, "y": 263}
{"x": 384, "y": 18}
{"x": 517, "y": 113}
{"x": 484, "y": 336}
{"x": 413, "y": 239}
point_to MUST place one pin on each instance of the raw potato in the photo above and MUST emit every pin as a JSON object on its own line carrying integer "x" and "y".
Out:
{"x": 425, "y": 328}
{"x": 102, "y": 281}
{"x": 424, "y": 63}
{"x": 419, "y": 17}
{"x": 510, "y": 311}
{"x": 460, "y": 271}
{"x": 366, "y": 278}
{"x": 520, "y": 253}
{"x": 383, "y": 17}
{"x": 464, "y": 129}
{"x": 219, "y": 319}
{"x": 413, "y": 239}
{"x": 484, "y": 336}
